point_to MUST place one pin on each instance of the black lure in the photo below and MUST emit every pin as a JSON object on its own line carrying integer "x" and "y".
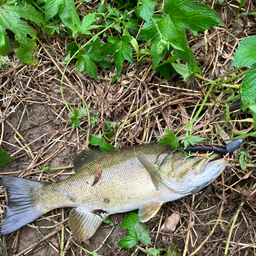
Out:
{"x": 219, "y": 149}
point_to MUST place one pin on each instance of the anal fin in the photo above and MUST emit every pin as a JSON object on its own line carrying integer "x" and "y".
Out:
{"x": 83, "y": 223}
{"x": 147, "y": 211}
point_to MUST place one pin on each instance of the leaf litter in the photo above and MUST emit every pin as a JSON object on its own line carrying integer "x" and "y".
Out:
{"x": 39, "y": 115}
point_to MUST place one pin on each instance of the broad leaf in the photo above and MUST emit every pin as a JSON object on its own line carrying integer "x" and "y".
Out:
{"x": 169, "y": 139}
{"x": 146, "y": 10}
{"x": 4, "y": 157}
{"x": 130, "y": 221}
{"x": 245, "y": 54}
{"x": 249, "y": 88}
{"x": 128, "y": 242}
{"x": 10, "y": 18}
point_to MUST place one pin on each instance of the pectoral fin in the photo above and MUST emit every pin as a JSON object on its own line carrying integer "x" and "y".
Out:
{"x": 83, "y": 223}
{"x": 150, "y": 168}
{"x": 147, "y": 211}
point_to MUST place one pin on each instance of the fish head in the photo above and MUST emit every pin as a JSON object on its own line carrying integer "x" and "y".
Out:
{"x": 189, "y": 174}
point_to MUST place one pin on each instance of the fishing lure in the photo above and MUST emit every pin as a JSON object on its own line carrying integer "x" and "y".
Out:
{"x": 216, "y": 148}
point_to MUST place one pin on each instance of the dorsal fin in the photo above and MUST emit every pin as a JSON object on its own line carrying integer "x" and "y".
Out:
{"x": 85, "y": 156}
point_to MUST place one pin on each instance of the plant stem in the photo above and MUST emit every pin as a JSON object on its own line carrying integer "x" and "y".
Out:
{"x": 232, "y": 228}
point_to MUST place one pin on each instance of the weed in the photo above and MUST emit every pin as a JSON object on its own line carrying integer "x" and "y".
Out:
{"x": 4, "y": 157}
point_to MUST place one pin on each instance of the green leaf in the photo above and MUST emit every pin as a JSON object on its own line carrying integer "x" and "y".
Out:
{"x": 191, "y": 140}
{"x": 4, "y": 157}
{"x": 47, "y": 169}
{"x": 83, "y": 110}
{"x": 181, "y": 69}
{"x": 52, "y": 8}
{"x": 75, "y": 118}
{"x": 143, "y": 233}
{"x": 128, "y": 242}
{"x": 198, "y": 17}
{"x": 246, "y": 54}
{"x": 85, "y": 63}
{"x": 166, "y": 67}
{"x": 4, "y": 43}
{"x": 109, "y": 222}
{"x": 153, "y": 251}
{"x": 126, "y": 51}
{"x": 147, "y": 9}
{"x": 95, "y": 253}
{"x": 135, "y": 45}
{"x": 248, "y": 96}
{"x": 104, "y": 146}
{"x": 67, "y": 12}
{"x": 169, "y": 139}
{"x": 88, "y": 20}
{"x": 25, "y": 52}
{"x": 96, "y": 140}
{"x": 130, "y": 221}
{"x": 158, "y": 50}
{"x": 118, "y": 59}
{"x": 10, "y": 18}
{"x": 113, "y": 40}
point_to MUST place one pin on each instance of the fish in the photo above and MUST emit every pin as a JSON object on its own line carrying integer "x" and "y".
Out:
{"x": 141, "y": 177}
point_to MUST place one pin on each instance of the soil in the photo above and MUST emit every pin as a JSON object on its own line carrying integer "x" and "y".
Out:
{"x": 31, "y": 105}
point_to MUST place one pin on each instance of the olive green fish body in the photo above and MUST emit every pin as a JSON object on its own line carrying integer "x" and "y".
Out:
{"x": 141, "y": 177}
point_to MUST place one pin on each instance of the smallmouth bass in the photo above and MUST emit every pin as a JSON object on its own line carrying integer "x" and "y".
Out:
{"x": 140, "y": 177}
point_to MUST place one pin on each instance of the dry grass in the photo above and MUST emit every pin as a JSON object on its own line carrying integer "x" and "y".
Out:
{"x": 35, "y": 130}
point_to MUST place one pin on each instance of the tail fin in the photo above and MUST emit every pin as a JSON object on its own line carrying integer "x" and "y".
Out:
{"x": 23, "y": 206}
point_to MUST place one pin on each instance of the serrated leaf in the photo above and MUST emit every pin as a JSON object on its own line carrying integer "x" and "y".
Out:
{"x": 169, "y": 139}
{"x": 4, "y": 157}
{"x": 4, "y": 43}
{"x": 26, "y": 52}
{"x": 96, "y": 140}
{"x": 181, "y": 69}
{"x": 67, "y": 12}
{"x": 52, "y": 8}
{"x": 168, "y": 29}
{"x": 118, "y": 59}
{"x": 10, "y": 18}
{"x": 130, "y": 221}
{"x": 157, "y": 51}
{"x": 248, "y": 96}
{"x": 198, "y": 17}
{"x": 147, "y": 9}
{"x": 109, "y": 222}
{"x": 94, "y": 56}
{"x": 153, "y": 251}
{"x": 126, "y": 51}
{"x": 88, "y": 20}
{"x": 85, "y": 63}
{"x": 113, "y": 40}
{"x": 104, "y": 146}
{"x": 245, "y": 54}
{"x": 126, "y": 39}
{"x": 166, "y": 68}
{"x": 128, "y": 242}
{"x": 75, "y": 118}
{"x": 143, "y": 233}
{"x": 26, "y": 12}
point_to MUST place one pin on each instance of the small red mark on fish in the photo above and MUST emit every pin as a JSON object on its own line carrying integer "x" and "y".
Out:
{"x": 97, "y": 174}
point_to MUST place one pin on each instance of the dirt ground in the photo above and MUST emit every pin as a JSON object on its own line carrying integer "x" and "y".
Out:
{"x": 31, "y": 105}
